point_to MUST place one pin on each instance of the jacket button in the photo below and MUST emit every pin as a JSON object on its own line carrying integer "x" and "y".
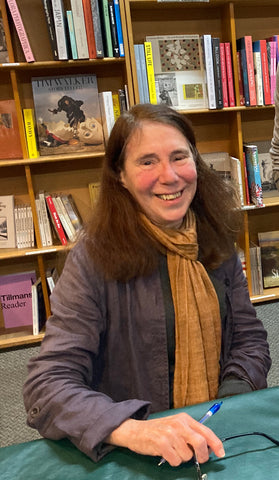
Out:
{"x": 34, "y": 412}
{"x": 227, "y": 282}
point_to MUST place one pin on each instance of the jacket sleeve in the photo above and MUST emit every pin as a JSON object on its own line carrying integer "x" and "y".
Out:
{"x": 58, "y": 394}
{"x": 245, "y": 351}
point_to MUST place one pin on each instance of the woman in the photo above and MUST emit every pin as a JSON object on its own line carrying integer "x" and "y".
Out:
{"x": 152, "y": 309}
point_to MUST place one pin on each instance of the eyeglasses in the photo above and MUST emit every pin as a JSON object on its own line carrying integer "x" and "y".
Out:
{"x": 201, "y": 476}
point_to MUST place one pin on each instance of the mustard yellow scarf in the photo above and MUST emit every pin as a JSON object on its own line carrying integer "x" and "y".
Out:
{"x": 197, "y": 315}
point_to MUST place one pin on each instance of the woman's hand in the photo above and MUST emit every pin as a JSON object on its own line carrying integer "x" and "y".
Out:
{"x": 168, "y": 437}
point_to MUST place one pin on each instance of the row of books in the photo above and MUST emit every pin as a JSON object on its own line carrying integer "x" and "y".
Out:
{"x": 193, "y": 71}
{"x": 22, "y": 302}
{"x": 89, "y": 29}
{"x": 70, "y": 116}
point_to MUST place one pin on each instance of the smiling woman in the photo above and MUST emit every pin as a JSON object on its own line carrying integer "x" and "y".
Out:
{"x": 152, "y": 309}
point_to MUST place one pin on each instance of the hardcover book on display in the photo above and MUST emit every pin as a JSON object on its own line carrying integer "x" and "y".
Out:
{"x": 178, "y": 70}
{"x": 269, "y": 243}
{"x": 67, "y": 114}
{"x": 7, "y": 222}
{"x": 10, "y": 146}
{"x": 4, "y": 57}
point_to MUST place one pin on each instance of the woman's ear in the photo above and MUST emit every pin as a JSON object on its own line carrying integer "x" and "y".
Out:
{"x": 122, "y": 179}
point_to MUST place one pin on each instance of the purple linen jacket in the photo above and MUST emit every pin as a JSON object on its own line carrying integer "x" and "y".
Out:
{"x": 104, "y": 357}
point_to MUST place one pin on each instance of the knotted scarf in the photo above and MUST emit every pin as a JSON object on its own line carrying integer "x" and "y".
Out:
{"x": 197, "y": 315}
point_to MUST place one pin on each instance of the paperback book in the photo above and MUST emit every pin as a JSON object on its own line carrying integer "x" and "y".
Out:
{"x": 10, "y": 145}
{"x": 269, "y": 243}
{"x": 7, "y": 222}
{"x": 178, "y": 70}
{"x": 67, "y": 114}
{"x": 4, "y": 57}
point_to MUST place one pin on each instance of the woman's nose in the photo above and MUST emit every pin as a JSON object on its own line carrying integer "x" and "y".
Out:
{"x": 167, "y": 173}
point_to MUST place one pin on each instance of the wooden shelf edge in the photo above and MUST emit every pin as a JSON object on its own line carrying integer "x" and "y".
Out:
{"x": 17, "y": 253}
{"x": 20, "y": 341}
{"x": 59, "y": 63}
{"x": 50, "y": 159}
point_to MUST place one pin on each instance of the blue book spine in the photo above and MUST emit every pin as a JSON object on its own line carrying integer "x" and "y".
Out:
{"x": 144, "y": 73}
{"x": 242, "y": 51}
{"x": 119, "y": 27}
{"x": 253, "y": 173}
{"x": 139, "y": 74}
{"x": 72, "y": 34}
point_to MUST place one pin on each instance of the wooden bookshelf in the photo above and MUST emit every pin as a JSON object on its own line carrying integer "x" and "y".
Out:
{"x": 228, "y": 128}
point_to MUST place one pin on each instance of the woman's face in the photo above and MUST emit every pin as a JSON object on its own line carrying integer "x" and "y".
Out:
{"x": 160, "y": 173}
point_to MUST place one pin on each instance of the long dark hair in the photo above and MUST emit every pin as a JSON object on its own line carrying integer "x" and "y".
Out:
{"x": 115, "y": 237}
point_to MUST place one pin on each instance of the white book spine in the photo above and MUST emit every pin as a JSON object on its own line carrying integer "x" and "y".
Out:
{"x": 45, "y": 219}
{"x": 80, "y": 29}
{"x": 107, "y": 112}
{"x": 258, "y": 77}
{"x": 208, "y": 60}
{"x": 62, "y": 214}
{"x": 41, "y": 225}
{"x": 60, "y": 29}
{"x": 35, "y": 309}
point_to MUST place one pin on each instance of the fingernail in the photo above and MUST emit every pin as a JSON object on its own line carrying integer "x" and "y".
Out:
{"x": 222, "y": 453}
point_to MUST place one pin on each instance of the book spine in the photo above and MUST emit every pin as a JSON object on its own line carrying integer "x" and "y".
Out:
{"x": 60, "y": 29}
{"x": 266, "y": 80}
{"x": 97, "y": 28}
{"x": 122, "y": 100}
{"x": 150, "y": 72}
{"x": 244, "y": 71}
{"x": 208, "y": 62}
{"x": 229, "y": 70}
{"x": 116, "y": 105}
{"x": 45, "y": 219}
{"x": 217, "y": 72}
{"x": 41, "y": 223}
{"x": 29, "y": 123}
{"x": 224, "y": 75}
{"x": 56, "y": 220}
{"x": 253, "y": 173}
{"x": 119, "y": 27}
{"x": 68, "y": 227}
{"x": 247, "y": 194}
{"x": 258, "y": 77}
{"x": 114, "y": 39}
{"x": 35, "y": 309}
{"x": 240, "y": 80}
{"x": 80, "y": 30}
{"x": 250, "y": 70}
{"x": 106, "y": 31}
{"x": 272, "y": 70}
{"x": 72, "y": 37}
{"x": 139, "y": 73}
{"x": 107, "y": 112}
{"x": 72, "y": 211}
{"x": 51, "y": 28}
{"x": 21, "y": 32}
{"x": 88, "y": 18}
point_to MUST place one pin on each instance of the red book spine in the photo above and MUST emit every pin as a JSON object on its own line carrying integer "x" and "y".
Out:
{"x": 265, "y": 72}
{"x": 56, "y": 220}
{"x": 229, "y": 69}
{"x": 246, "y": 180}
{"x": 250, "y": 70}
{"x": 88, "y": 18}
{"x": 224, "y": 75}
{"x": 240, "y": 81}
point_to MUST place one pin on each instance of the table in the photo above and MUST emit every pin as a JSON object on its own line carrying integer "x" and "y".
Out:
{"x": 252, "y": 457}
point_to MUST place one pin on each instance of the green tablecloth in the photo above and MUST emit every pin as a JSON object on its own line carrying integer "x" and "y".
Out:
{"x": 254, "y": 458}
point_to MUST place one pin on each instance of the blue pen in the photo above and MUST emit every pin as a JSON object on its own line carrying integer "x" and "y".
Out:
{"x": 203, "y": 419}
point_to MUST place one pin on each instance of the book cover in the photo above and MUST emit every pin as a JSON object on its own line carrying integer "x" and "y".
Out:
{"x": 56, "y": 222}
{"x": 217, "y": 72}
{"x": 209, "y": 70}
{"x": 16, "y": 299}
{"x": 60, "y": 28}
{"x": 224, "y": 75}
{"x": 30, "y": 133}
{"x": 80, "y": 30}
{"x": 258, "y": 73}
{"x": 151, "y": 76}
{"x": 178, "y": 70}
{"x": 266, "y": 169}
{"x": 105, "y": 27}
{"x": 114, "y": 38}
{"x": 230, "y": 77}
{"x": 107, "y": 112}
{"x": 88, "y": 18}
{"x": 72, "y": 36}
{"x": 256, "y": 269}
{"x": 73, "y": 212}
{"x": 4, "y": 56}
{"x": 10, "y": 144}
{"x": 119, "y": 28}
{"x": 38, "y": 307}
{"x": 21, "y": 31}
{"x": 269, "y": 244}
{"x": 51, "y": 27}
{"x": 253, "y": 173}
{"x": 67, "y": 114}
{"x": 7, "y": 222}
{"x": 97, "y": 28}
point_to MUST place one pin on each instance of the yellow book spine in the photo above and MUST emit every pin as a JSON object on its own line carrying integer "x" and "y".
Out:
{"x": 150, "y": 72}
{"x": 116, "y": 105}
{"x": 29, "y": 123}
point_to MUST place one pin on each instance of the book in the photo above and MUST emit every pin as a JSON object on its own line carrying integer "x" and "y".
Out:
{"x": 271, "y": 54}
{"x": 266, "y": 169}
{"x": 114, "y": 38}
{"x": 22, "y": 35}
{"x": 217, "y": 71}
{"x": 247, "y": 194}
{"x": 141, "y": 52}
{"x": 64, "y": 218}
{"x": 56, "y": 222}
{"x": 122, "y": 100}
{"x": 244, "y": 47}
{"x": 256, "y": 269}
{"x": 60, "y": 29}
{"x": 51, "y": 278}
{"x": 178, "y": 71}
{"x": 29, "y": 124}
{"x": 105, "y": 28}
{"x": 94, "y": 189}
{"x": 97, "y": 28}
{"x": 208, "y": 64}
{"x": 38, "y": 307}
{"x": 40, "y": 222}
{"x": 240, "y": 80}
{"x": 253, "y": 173}
{"x": 88, "y": 19}
{"x": 80, "y": 29}
{"x": 119, "y": 30}
{"x": 139, "y": 73}
{"x": 230, "y": 77}
{"x": 51, "y": 27}
{"x": 73, "y": 212}
{"x": 4, "y": 56}
{"x": 258, "y": 73}
{"x": 24, "y": 226}
{"x": 10, "y": 144}
{"x": 45, "y": 219}
{"x": 16, "y": 299}
{"x": 269, "y": 244}
{"x": 261, "y": 46}
{"x": 7, "y": 222}
{"x": 107, "y": 112}
{"x": 224, "y": 75}
{"x": 116, "y": 105}
{"x": 72, "y": 36}
{"x": 67, "y": 114}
